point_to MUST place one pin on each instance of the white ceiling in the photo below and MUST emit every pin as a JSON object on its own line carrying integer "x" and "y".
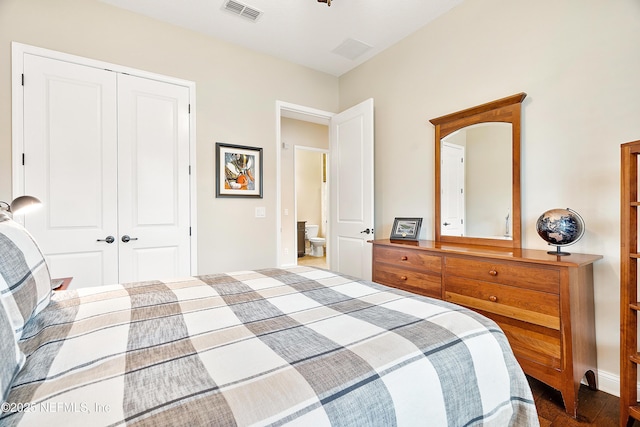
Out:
{"x": 301, "y": 31}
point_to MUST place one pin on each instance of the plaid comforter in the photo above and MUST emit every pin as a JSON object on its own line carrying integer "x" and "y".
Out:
{"x": 302, "y": 346}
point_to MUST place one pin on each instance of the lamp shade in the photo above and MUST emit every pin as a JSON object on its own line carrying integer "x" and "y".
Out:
{"x": 24, "y": 204}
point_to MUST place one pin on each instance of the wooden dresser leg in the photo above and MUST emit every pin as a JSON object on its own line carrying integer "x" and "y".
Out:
{"x": 570, "y": 398}
{"x": 591, "y": 380}
{"x": 570, "y": 395}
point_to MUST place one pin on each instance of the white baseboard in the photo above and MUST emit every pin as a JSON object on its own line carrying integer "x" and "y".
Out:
{"x": 610, "y": 383}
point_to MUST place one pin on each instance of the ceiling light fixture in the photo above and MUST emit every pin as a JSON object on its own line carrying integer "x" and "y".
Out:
{"x": 328, "y": 2}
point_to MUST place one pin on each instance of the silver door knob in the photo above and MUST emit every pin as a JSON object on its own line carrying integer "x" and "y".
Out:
{"x": 126, "y": 238}
{"x": 108, "y": 239}
{"x": 367, "y": 231}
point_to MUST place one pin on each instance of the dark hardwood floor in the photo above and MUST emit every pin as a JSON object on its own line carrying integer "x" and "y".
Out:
{"x": 595, "y": 408}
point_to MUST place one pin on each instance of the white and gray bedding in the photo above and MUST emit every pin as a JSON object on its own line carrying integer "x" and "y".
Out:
{"x": 298, "y": 346}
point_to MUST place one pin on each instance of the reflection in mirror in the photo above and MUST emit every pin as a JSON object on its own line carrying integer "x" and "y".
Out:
{"x": 477, "y": 174}
{"x": 476, "y": 181}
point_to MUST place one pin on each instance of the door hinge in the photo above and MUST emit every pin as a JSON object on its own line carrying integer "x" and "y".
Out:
{"x": 22, "y": 159}
{"x": 189, "y": 169}
{"x": 189, "y": 231}
{"x": 22, "y": 79}
{"x": 189, "y": 109}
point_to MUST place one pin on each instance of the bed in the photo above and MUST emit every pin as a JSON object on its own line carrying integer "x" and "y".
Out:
{"x": 296, "y": 346}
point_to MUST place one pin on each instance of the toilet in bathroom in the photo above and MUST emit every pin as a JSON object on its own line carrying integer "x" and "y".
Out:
{"x": 316, "y": 243}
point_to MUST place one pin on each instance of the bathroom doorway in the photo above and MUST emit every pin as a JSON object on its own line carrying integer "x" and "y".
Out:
{"x": 300, "y": 134}
{"x": 312, "y": 204}
{"x": 348, "y": 134}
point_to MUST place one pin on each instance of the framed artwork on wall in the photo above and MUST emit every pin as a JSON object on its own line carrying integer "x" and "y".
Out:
{"x": 238, "y": 171}
{"x": 406, "y": 228}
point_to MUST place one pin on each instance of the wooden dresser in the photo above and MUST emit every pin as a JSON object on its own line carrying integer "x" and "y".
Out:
{"x": 543, "y": 303}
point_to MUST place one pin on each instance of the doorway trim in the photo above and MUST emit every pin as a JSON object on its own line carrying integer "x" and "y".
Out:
{"x": 18, "y": 50}
{"x": 298, "y": 112}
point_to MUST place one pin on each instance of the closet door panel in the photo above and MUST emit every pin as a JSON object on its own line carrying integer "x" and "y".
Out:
{"x": 70, "y": 148}
{"x": 153, "y": 179}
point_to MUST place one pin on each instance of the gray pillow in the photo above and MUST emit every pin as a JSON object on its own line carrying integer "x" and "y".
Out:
{"x": 25, "y": 283}
{"x": 12, "y": 358}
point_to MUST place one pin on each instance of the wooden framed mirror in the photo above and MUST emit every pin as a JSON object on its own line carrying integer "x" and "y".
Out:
{"x": 477, "y": 174}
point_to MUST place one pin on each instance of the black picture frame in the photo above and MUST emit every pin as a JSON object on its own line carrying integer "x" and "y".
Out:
{"x": 406, "y": 229}
{"x": 238, "y": 170}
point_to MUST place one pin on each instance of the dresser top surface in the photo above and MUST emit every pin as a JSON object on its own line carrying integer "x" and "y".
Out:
{"x": 511, "y": 254}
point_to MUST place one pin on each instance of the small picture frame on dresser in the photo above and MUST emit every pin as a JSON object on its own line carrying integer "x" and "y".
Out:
{"x": 406, "y": 229}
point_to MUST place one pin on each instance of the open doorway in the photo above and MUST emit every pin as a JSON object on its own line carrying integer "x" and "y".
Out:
{"x": 351, "y": 195}
{"x": 301, "y": 130}
{"x": 312, "y": 204}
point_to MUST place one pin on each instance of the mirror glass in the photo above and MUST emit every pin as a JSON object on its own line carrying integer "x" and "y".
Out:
{"x": 475, "y": 179}
{"x": 477, "y": 174}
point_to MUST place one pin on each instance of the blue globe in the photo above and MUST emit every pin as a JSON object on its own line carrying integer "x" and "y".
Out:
{"x": 560, "y": 227}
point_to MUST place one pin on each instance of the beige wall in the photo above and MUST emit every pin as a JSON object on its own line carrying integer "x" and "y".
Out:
{"x": 295, "y": 134}
{"x": 310, "y": 189}
{"x": 577, "y": 60}
{"x": 236, "y": 90}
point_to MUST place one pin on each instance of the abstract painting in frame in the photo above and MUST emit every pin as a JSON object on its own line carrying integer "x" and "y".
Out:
{"x": 238, "y": 171}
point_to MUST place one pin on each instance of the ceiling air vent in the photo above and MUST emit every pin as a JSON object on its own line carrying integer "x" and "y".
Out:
{"x": 242, "y": 10}
{"x": 351, "y": 49}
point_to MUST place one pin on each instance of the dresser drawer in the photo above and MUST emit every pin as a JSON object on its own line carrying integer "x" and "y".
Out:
{"x": 419, "y": 282}
{"x": 512, "y": 274}
{"x": 407, "y": 258}
{"x": 536, "y": 344}
{"x": 538, "y": 308}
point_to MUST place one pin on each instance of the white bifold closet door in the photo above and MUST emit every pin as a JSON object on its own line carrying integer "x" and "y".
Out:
{"x": 153, "y": 179}
{"x": 108, "y": 155}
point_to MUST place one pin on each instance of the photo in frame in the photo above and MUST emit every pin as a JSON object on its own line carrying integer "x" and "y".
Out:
{"x": 406, "y": 228}
{"x": 238, "y": 171}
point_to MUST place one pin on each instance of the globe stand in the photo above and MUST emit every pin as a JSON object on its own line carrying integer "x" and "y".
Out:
{"x": 558, "y": 252}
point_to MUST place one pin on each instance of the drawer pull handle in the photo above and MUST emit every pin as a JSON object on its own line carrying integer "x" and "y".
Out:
{"x": 493, "y": 298}
{"x": 403, "y": 277}
{"x": 493, "y": 272}
{"x": 404, "y": 258}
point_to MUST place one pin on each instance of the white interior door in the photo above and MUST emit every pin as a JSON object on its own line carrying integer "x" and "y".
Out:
{"x": 153, "y": 179}
{"x": 70, "y": 148}
{"x": 351, "y": 190}
{"x": 452, "y": 194}
{"x": 108, "y": 154}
